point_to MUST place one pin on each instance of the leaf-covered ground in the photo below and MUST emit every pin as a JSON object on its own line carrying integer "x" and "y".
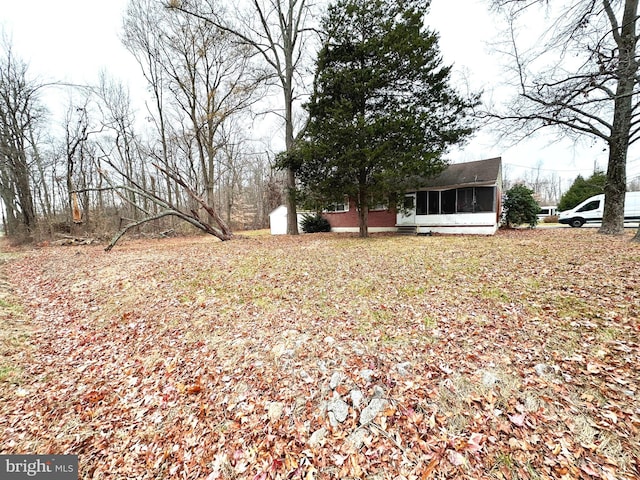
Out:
{"x": 327, "y": 356}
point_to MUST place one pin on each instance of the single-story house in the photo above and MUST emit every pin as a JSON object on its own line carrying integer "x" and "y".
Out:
{"x": 464, "y": 198}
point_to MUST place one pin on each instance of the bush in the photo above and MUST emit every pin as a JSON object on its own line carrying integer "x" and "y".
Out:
{"x": 315, "y": 223}
{"x": 520, "y": 207}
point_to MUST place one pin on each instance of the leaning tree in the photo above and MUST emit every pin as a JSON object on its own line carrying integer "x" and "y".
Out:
{"x": 580, "y": 77}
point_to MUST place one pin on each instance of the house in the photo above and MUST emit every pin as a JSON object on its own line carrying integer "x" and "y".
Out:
{"x": 343, "y": 217}
{"x": 464, "y": 198}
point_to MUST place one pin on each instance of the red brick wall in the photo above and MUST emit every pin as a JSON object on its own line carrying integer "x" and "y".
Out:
{"x": 377, "y": 218}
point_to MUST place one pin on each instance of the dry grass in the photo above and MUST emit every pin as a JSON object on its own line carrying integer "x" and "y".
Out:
{"x": 170, "y": 351}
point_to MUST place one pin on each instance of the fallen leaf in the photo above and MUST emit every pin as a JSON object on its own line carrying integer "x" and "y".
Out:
{"x": 517, "y": 419}
{"x": 455, "y": 458}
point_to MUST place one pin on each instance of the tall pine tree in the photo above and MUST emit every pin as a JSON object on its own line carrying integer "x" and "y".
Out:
{"x": 382, "y": 111}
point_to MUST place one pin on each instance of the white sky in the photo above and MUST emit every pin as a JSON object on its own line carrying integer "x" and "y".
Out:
{"x": 73, "y": 40}
{"x": 67, "y": 40}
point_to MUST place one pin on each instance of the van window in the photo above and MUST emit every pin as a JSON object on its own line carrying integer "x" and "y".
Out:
{"x": 589, "y": 206}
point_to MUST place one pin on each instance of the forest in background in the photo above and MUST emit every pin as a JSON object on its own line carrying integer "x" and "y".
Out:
{"x": 104, "y": 164}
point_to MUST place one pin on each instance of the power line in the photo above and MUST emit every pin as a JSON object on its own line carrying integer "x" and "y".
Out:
{"x": 528, "y": 167}
{"x": 544, "y": 169}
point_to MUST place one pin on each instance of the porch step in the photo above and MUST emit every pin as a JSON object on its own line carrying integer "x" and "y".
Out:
{"x": 407, "y": 230}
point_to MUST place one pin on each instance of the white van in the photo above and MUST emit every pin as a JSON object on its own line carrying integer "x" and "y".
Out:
{"x": 547, "y": 211}
{"x": 591, "y": 210}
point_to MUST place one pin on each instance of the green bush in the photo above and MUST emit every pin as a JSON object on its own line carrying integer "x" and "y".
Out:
{"x": 582, "y": 189}
{"x": 315, "y": 223}
{"x": 520, "y": 207}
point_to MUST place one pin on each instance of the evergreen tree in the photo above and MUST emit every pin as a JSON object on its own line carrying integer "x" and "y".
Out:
{"x": 382, "y": 110}
{"x": 582, "y": 189}
{"x": 520, "y": 207}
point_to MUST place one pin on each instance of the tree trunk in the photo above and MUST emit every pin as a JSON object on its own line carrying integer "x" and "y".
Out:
{"x": 615, "y": 188}
{"x": 363, "y": 216}
{"x": 292, "y": 214}
{"x": 363, "y": 211}
{"x": 25, "y": 198}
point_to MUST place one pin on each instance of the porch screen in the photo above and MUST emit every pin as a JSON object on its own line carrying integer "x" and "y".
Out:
{"x": 484, "y": 199}
{"x": 421, "y": 203}
{"x": 448, "y": 201}
{"x": 428, "y": 203}
{"x": 456, "y": 200}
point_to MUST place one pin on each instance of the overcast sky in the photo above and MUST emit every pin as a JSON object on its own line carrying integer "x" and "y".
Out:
{"x": 73, "y": 40}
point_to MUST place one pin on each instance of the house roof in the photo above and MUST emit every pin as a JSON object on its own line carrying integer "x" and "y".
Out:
{"x": 479, "y": 172}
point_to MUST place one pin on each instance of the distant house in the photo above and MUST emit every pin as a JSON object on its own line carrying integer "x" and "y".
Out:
{"x": 464, "y": 198}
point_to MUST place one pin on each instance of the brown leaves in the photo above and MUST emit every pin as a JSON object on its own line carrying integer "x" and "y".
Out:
{"x": 512, "y": 356}
{"x": 94, "y": 396}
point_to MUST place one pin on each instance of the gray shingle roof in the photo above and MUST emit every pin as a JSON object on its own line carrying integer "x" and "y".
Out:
{"x": 479, "y": 172}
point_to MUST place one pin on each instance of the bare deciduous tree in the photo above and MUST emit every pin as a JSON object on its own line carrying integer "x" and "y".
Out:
{"x": 20, "y": 113}
{"x": 275, "y": 29}
{"x": 210, "y": 79}
{"x": 588, "y": 84}
{"x": 143, "y": 38}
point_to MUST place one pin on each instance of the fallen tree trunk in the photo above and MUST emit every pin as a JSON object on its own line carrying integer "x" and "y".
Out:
{"x": 187, "y": 218}
{"x": 220, "y": 230}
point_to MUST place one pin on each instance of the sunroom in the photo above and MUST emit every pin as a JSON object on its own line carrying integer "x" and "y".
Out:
{"x": 465, "y": 198}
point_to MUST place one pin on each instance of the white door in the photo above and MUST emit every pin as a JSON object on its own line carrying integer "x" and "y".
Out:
{"x": 407, "y": 213}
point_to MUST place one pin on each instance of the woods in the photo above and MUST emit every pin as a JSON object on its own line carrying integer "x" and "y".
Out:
{"x": 108, "y": 171}
{"x": 226, "y": 89}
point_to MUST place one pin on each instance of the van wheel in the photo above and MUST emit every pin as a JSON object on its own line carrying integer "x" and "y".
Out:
{"x": 576, "y": 222}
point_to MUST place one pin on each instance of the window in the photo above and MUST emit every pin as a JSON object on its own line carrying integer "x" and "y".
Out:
{"x": 484, "y": 198}
{"x": 465, "y": 200}
{"x": 421, "y": 203}
{"x": 378, "y": 203}
{"x": 338, "y": 207}
{"x": 408, "y": 203}
{"x": 434, "y": 203}
{"x": 460, "y": 200}
{"x": 593, "y": 205}
{"x": 448, "y": 201}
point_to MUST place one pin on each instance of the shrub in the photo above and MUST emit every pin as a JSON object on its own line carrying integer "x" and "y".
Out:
{"x": 520, "y": 207}
{"x": 582, "y": 189}
{"x": 315, "y": 223}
